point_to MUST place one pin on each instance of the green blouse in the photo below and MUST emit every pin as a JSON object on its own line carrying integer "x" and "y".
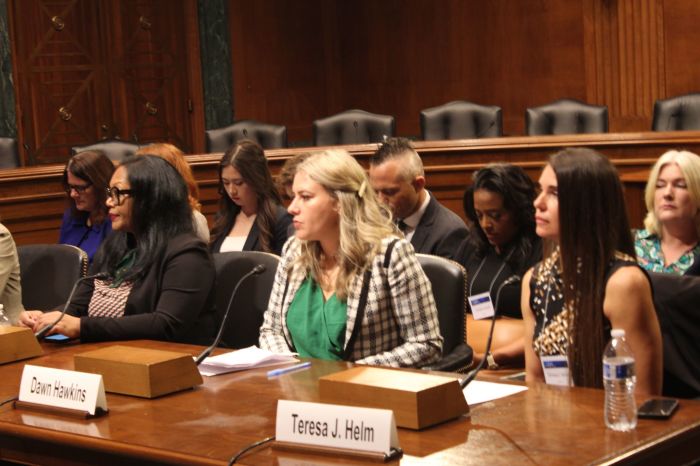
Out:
{"x": 317, "y": 326}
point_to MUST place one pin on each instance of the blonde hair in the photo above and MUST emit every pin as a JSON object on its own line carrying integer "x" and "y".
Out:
{"x": 689, "y": 165}
{"x": 176, "y": 158}
{"x": 364, "y": 222}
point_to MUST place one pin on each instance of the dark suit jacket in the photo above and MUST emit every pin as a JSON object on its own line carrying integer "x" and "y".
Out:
{"x": 439, "y": 232}
{"x": 282, "y": 223}
{"x": 174, "y": 301}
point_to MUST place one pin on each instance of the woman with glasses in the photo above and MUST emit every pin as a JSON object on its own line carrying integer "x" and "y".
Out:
{"x": 85, "y": 223}
{"x": 250, "y": 217}
{"x": 158, "y": 278}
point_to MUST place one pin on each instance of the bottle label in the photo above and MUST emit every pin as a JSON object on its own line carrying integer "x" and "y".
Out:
{"x": 617, "y": 371}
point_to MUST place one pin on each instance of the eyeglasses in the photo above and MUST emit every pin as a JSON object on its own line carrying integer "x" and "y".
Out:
{"x": 116, "y": 194}
{"x": 78, "y": 188}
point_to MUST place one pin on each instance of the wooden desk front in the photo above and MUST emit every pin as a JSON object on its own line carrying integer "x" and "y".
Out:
{"x": 207, "y": 425}
{"x": 32, "y": 199}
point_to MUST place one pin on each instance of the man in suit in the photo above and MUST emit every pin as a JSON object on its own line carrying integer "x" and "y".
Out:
{"x": 396, "y": 174}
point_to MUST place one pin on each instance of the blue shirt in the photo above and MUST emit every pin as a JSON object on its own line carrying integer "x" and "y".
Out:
{"x": 88, "y": 238}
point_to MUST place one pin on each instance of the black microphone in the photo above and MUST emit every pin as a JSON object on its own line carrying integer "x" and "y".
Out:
{"x": 256, "y": 270}
{"x": 43, "y": 331}
{"x": 472, "y": 375}
{"x": 481, "y": 133}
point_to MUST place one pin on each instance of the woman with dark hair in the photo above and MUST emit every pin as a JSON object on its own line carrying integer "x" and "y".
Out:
{"x": 159, "y": 277}
{"x": 591, "y": 282}
{"x": 85, "y": 223}
{"x": 250, "y": 217}
{"x": 501, "y": 247}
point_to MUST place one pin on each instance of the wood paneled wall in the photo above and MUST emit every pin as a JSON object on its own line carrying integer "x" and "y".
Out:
{"x": 298, "y": 61}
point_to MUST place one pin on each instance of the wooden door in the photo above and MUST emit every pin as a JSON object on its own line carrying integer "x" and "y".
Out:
{"x": 87, "y": 70}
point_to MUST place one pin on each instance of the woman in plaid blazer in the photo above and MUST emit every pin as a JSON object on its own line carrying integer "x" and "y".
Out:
{"x": 346, "y": 261}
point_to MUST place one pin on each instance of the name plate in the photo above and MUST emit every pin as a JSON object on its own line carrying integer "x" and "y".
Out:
{"x": 335, "y": 426}
{"x": 58, "y": 388}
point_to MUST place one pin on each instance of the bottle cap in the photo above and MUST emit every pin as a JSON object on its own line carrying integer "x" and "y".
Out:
{"x": 617, "y": 332}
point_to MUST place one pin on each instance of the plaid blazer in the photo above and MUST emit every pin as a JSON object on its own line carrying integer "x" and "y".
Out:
{"x": 400, "y": 326}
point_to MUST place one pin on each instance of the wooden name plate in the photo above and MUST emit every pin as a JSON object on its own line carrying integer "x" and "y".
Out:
{"x": 143, "y": 372}
{"x": 18, "y": 343}
{"x": 418, "y": 400}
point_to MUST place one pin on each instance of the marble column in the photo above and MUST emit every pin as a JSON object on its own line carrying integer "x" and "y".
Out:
{"x": 8, "y": 117}
{"x": 216, "y": 63}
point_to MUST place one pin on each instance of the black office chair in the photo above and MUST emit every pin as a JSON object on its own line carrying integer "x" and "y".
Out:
{"x": 449, "y": 282}
{"x": 676, "y": 299}
{"x": 246, "y": 316}
{"x": 267, "y": 135}
{"x": 566, "y": 116}
{"x": 353, "y": 127}
{"x": 116, "y": 149}
{"x": 9, "y": 156}
{"x": 461, "y": 120}
{"x": 680, "y": 113}
{"x": 48, "y": 273}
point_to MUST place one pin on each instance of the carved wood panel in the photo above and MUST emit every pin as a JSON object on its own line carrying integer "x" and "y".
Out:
{"x": 94, "y": 69}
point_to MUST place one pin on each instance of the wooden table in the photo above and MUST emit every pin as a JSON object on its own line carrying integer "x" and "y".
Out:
{"x": 207, "y": 425}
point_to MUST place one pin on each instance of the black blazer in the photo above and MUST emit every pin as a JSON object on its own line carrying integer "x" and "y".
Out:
{"x": 439, "y": 232}
{"x": 174, "y": 301}
{"x": 283, "y": 222}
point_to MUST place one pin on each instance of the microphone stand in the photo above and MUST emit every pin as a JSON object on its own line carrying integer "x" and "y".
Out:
{"x": 256, "y": 270}
{"x": 43, "y": 331}
{"x": 472, "y": 375}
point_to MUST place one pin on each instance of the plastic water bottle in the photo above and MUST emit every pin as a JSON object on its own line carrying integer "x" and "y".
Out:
{"x": 619, "y": 379}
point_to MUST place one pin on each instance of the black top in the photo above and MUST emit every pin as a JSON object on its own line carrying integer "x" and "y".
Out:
{"x": 490, "y": 272}
{"x": 173, "y": 301}
{"x": 282, "y": 229}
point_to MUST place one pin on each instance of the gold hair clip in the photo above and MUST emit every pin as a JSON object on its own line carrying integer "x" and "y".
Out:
{"x": 363, "y": 188}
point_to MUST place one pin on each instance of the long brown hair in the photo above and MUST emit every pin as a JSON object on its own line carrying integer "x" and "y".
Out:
{"x": 248, "y": 158}
{"x": 593, "y": 225}
{"x": 94, "y": 167}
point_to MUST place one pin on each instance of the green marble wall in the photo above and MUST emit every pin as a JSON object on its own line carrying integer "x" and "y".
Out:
{"x": 8, "y": 119}
{"x": 216, "y": 63}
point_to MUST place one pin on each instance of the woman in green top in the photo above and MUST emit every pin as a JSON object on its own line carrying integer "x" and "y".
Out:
{"x": 347, "y": 287}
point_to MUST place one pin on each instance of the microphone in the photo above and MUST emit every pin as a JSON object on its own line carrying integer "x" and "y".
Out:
{"x": 256, "y": 270}
{"x": 42, "y": 332}
{"x": 472, "y": 375}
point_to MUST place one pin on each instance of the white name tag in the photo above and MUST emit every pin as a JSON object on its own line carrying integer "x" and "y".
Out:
{"x": 62, "y": 389}
{"x": 327, "y": 425}
{"x": 481, "y": 306}
{"x": 556, "y": 370}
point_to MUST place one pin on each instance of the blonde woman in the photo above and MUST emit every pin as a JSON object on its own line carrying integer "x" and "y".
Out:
{"x": 669, "y": 243}
{"x": 347, "y": 288}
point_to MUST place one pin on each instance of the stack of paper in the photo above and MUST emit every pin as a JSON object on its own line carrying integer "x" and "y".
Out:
{"x": 247, "y": 358}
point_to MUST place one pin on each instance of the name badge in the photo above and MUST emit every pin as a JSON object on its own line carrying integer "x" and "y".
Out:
{"x": 62, "y": 389}
{"x": 335, "y": 426}
{"x": 556, "y": 370}
{"x": 481, "y": 306}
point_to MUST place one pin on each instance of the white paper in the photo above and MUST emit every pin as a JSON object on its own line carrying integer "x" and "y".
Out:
{"x": 336, "y": 426}
{"x": 246, "y": 358}
{"x": 480, "y": 392}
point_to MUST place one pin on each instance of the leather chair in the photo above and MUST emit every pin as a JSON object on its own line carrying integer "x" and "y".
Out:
{"x": 680, "y": 113}
{"x": 9, "y": 156}
{"x": 352, "y": 127}
{"x": 566, "y": 116}
{"x": 267, "y": 135}
{"x": 676, "y": 300}
{"x": 116, "y": 149}
{"x": 248, "y": 307}
{"x": 48, "y": 273}
{"x": 449, "y": 283}
{"x": 461, "y": 120}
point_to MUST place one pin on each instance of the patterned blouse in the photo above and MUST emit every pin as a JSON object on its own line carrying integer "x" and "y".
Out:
{"x": 650, "y": 256}
{"x": 553, "y": 317}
